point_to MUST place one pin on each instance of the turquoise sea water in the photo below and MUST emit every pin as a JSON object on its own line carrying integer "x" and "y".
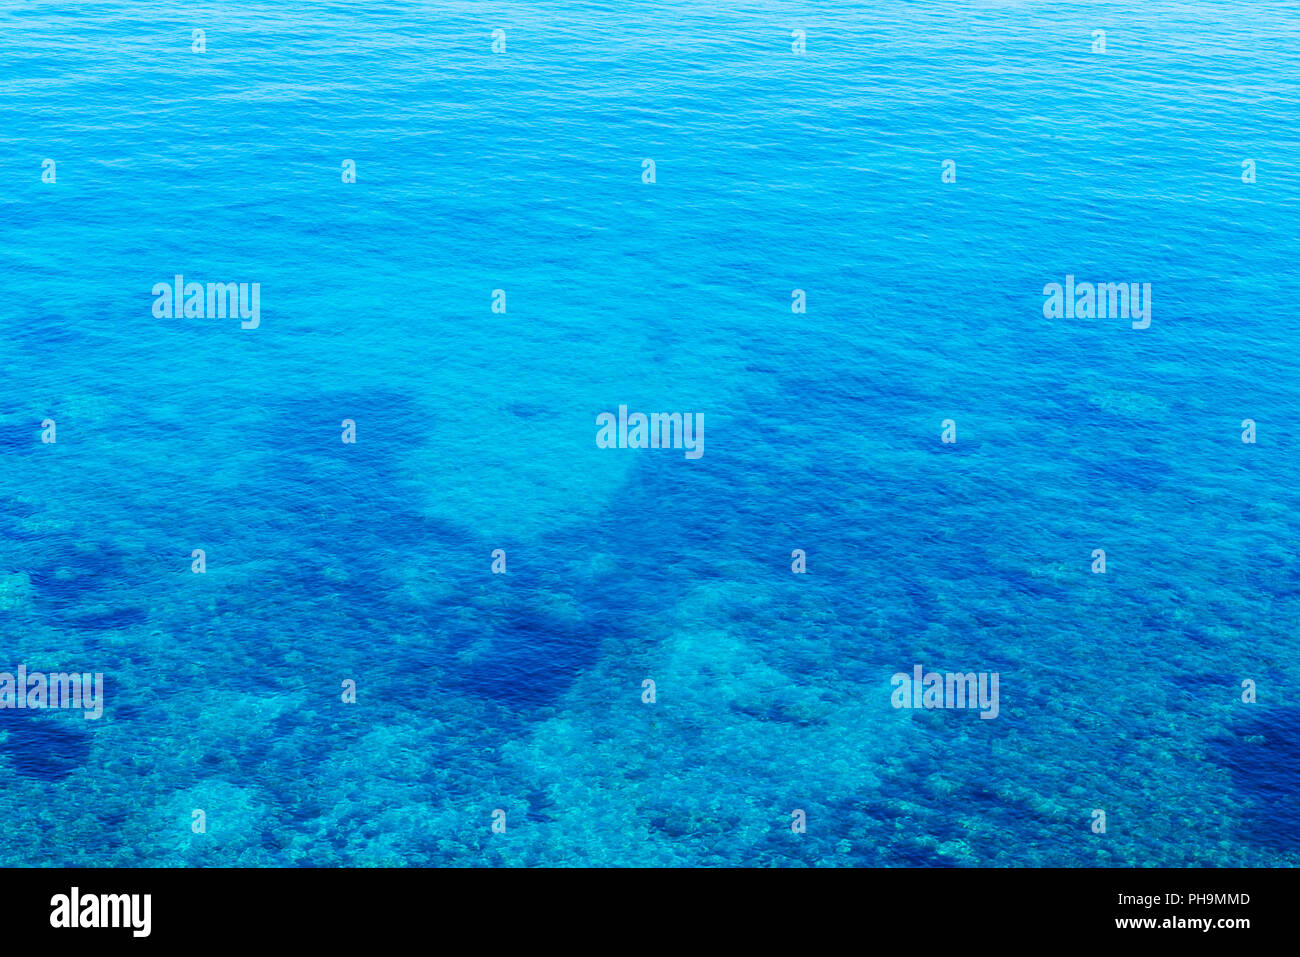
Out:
{"x": 521, "y": 170}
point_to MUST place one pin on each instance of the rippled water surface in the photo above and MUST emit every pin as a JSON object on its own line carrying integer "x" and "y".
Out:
{"x": 774, "y": 171}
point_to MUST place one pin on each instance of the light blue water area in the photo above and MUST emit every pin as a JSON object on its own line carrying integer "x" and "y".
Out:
{"x": 774, "y": 171}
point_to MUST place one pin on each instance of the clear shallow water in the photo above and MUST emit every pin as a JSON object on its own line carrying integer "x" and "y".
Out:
{"x": 522, "y": 171}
